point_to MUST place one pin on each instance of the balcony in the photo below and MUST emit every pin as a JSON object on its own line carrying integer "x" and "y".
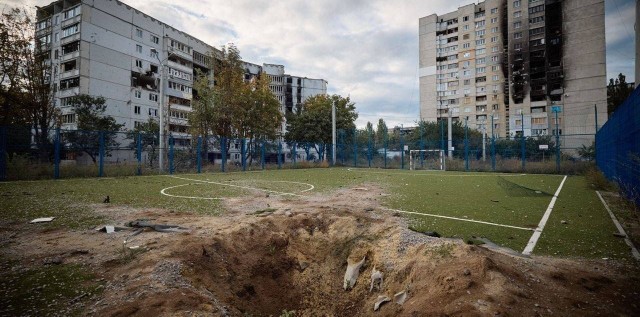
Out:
{"x": 180, "y": 67}
{"x": 71, "y": 73}
{"x": 70, "y": 38}
{"x": 179, "y": 53}
{"x": 70, "y": 56}
{"x": 71, "y": 21}
{"x": 69, "y": 92}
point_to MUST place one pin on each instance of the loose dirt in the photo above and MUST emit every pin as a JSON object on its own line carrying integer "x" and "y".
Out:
{"x": 293, "y": 258}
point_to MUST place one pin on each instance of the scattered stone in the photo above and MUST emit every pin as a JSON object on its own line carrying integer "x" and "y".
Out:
{"x": 288, "y": 213}
{"x": 495, "y": 200}
{"x": 352, "y": 273}
{"x": 537, "y": 305}
{"x": 376, "y": 280}
{"x": 45, "y": 219}
{"x": 619, "y": 235}
{"x": 368, "y": 209}
{"x": 400, "y": 298}
{"x": 52, "y": 261}
{"x": 432, "y": 234}
{"x": 482, "y": 302}
{"x": 564, "y": 222}
{"x": 381, "y": 300}
{"x": 466, "y": 272}
{"x": 303, "y": 266}
{"x": 449, "y": 278}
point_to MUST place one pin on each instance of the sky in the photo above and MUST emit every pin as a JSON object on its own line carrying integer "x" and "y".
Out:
{"x": 365, "y": 49}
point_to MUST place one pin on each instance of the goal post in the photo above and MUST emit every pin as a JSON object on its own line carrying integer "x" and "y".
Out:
{"x": 427, "y": 160}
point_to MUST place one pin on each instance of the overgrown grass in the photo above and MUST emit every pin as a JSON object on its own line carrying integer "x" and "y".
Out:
{"x": 50, "y": 290}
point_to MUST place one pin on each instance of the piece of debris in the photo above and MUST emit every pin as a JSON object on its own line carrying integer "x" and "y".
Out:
{"x": 267, "y": 195}
{"x": 466, "y": 272}
{"x": 52, "y": 261}
{"x": 368, "y": 209}
{"x": 112, "y": 229}
{"x": 360, "y": 188}
{"x": 264, "y": 212}
{"x": 432, "y": 234}
{"x": 495, "y": 200}
{"x": 45, "y": 219}
{"x": 376, "y": 279}
{"x": 400, "y": 298}
{"x": 156, "y": 227}
{"x": 381, "y": 300}
{"x": 564, "y": 222}
{"x": 106, "y": 200}
{"x": 133, "y": 247}
{"x": 288, "y": 213}
{"x": 351, "y": 275}
{"x": 619, "y": 235}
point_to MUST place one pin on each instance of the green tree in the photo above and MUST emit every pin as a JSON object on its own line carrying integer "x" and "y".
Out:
{"x": 588, "y": 152}
{"x": 148, "y": 132}
{"x": 381, "y": 133}
{"x": 311, "y": 123}
{"x": 618, "y": 91}
{"x": 92, "y": 123}
{"x": 26, "y": 94}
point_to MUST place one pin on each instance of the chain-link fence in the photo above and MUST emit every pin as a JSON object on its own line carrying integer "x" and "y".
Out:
{"x": 75, "y": 153}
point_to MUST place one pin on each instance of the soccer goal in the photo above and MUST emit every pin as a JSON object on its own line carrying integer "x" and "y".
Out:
{"x": 427, "y": 160}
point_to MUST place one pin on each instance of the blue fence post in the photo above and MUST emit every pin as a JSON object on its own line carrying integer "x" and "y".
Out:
{"x": 262, "y": 154}
{"x": 442, "y": 136}
{"x": 294, "y": 156}
{"x": 56, "y": 155}
{"x": 243, "y": 154}
{"x": 523, "y": 141}
{"x": 223, "y": 152}
{"x": 422, "y": 145}
{"x": 557, "y": 145}
{"x": 401, "y": 150}
{"x": 386, "y": 145}
{"x": 279, "y": 154}
{"x": 199, "y": 153}
{"x": 171, "y": 142}
{"x": 466, "y": 144}
{"x": 369, "y": 150}
{"x": 493, "y": 147}
{"x": 101, "y": 155}
{"x": 3, "y": 153}
{"x": 139, "y": 152}
{"x": 355, "y": 148}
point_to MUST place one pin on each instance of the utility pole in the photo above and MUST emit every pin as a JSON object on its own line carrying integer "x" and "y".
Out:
{"x": 484, "y": 138}
{"x": 333, "y": 132}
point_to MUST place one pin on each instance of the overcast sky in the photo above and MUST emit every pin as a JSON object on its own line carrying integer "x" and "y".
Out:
{"x": 365, "y": 49}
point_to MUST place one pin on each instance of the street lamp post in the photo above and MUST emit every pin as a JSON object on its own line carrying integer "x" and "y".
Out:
{"x": 161, "y": 109}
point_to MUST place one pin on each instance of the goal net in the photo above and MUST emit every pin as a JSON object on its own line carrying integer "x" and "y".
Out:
{"x": 427, "y": 160}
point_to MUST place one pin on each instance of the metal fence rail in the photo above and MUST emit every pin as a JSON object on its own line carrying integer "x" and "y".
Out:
{"x": 618, "y": 147}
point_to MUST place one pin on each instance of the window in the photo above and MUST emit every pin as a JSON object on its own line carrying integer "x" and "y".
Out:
{"x": 536, "y": 9}
{"x": 480, "y": 33}
{"x": 69, "y": 65}
{"x": 495, "y": 107}
{"x": 71, "y": 47}
{"x": 495, "y": 77}
{"x": 517, "y": 25}
{"x": 56, "y": 37}
{"x": 495, "y": 89}
{"x": 538, "y": 120}
{"x": 516, "y": 4}
{"x": 480, "y": 42}
{"x": 137, "y": 94}
{"x": 465, "y": 18}
{"x": 517, "y": 46}
{"x": 71, "y": 30}
{"x": 494, "y": 49}
{"x": 494, "y": 10}
{"x": 153, "y": 53}
{"x": 153, "y": 97}
{"x": 69, "y": 118}
{"x": 465, "y": 64}
{"x": 494, "y": 20}
{"x": 494, "y": 39}
{"x": 155, "y": 39}
{"x": 537, "y": 42}
{"x": 494, "y": 58}
{"x": 481, "y": 60}
{"x": 479, "y": 24}
{"x": 495, "y": 68}
{"x": 467, "y": 109}
{"x": 536, "y": 19}
{"x": 466, "y": 73}
{"x": 467, "y": 82}
{"x": 494, "y": 30}
{"x": 138, "y": 33}
{"x": 466, "y": 54}
{"x": 517, "y": 14}
{"x": 71, "y": 13}
{"x": 466, "y": 45}
{"x": 69, "y": 83}
{"x": 136, "y": 109}
{"x": 138, "y": 48}
{"x": 481, "y": 70}
{"x": 536, "y": 31}
{"x": 517, "y": 35}
{"x": 465, "y": 27}
{"x": 481, "y": 51}
{"x": 138, "y": 63}
{"x": 465, "y": 36}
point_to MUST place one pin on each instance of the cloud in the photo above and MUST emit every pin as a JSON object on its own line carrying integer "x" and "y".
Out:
{"x": 365, "y": 49}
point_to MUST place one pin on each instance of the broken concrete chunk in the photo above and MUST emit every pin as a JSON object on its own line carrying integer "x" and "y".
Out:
{"x": 45, "y": 219}
{"x": 381, "y": 300}
{"x": 400, "y": 298}
{"x": 376, "y": 280}
{"x": 352, "y": 273}
{"x": 564, "y": 222}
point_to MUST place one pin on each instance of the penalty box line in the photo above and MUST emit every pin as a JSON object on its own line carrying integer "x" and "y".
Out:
{"x": 455, "y": 218}
{"x": 238, "y": 186}
{"x": 536, "y": 234}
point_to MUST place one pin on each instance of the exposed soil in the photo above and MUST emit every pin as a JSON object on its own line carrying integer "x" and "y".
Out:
{"x": 247, "y": 264}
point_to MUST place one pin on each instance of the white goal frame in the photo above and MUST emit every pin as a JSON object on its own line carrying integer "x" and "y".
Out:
{"x": 413, "y": 159}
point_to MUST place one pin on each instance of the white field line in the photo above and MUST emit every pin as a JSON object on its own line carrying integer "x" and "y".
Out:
{"x": 536, "y": 234}
{"x": 634, "y": 251}
{"x": 244, "y": 187}
{"x": 455, "y": 218}
{"x": 432, "y": 173}
{"x": 190, "y": 197}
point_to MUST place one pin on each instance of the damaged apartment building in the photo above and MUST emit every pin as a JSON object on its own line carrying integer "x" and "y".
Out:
{"x": 107, "y": 48}
{"x": 516, "y": 59}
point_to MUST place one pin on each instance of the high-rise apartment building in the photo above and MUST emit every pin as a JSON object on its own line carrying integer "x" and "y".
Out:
{"x": 514, "y": 60}
{"x": 107, "y": 48}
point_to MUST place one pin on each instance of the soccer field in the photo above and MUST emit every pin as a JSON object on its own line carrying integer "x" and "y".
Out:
{"x": 504, "y": 208}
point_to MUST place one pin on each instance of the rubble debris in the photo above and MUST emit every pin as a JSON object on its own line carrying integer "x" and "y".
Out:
{"x": 564, "y": 222}
{"x": 400, "y": 297}
{"x": 376, "y": 279}
{"x": 44, "y": 219}
{"x": 157, "y": 227}
{"x": 112, "y": 229}
{"x": 381, "y": 300}
{"x": 52, "y": 261}
{"x": 352, "y": 273}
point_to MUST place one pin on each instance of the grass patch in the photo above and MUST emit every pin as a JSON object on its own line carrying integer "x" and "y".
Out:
{"x": 46, "y": 290}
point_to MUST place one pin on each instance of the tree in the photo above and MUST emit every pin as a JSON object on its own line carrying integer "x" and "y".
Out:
{"x": 93, "y": 125}
{"x": 618, "y": 91}
{"x": 381, "y": 133}
{"x": 588, "y": 152}
{"x": 311, "y": 123}
{"x": 149, "y": 138}
{"x": 26, "y": 95}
